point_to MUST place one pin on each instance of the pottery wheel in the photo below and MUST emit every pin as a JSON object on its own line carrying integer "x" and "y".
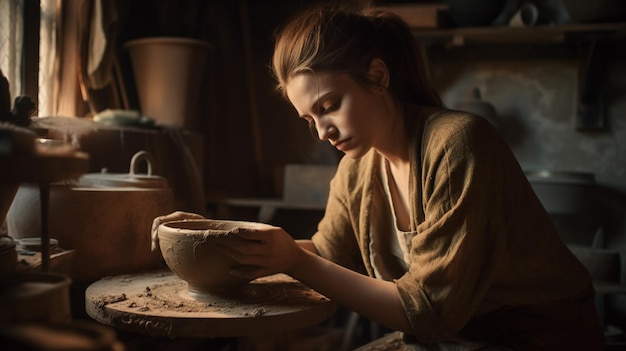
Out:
{"x": 158, "y": 304}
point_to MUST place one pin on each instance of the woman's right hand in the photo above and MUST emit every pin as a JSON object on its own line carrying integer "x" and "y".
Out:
{"x": 268, "y": 248}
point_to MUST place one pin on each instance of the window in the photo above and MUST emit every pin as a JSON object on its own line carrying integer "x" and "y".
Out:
{"x": 11, "y": 33}
{"x": 47, "y": 57}
{"x": 27, "y": 57}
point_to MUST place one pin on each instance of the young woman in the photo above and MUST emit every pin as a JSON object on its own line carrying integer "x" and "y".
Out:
{"x": 431, "y": 227}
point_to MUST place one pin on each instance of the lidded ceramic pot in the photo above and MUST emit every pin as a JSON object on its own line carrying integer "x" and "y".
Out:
{"x": 105, "y": 217}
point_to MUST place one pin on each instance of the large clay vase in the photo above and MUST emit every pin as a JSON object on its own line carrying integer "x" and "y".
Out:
{"x": 169, "y": 73}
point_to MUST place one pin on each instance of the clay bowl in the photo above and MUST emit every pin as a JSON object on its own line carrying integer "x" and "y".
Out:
{"x": 193, "y": 250}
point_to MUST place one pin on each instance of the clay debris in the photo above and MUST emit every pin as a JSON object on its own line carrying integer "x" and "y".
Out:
{"x": 108, "y": 299}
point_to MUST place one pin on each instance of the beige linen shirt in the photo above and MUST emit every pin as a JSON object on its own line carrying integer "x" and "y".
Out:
{"x": 484, "y": 242}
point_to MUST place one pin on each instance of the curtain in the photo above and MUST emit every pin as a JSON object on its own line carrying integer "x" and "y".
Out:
{"x": 47, "y": 57}
{"x": 74, "y": 53}
{"x": 101, "y": 83}
{"x": 67, "y": 100}
{"x": 11, "y": 37}
{"x": 84, "y": 79}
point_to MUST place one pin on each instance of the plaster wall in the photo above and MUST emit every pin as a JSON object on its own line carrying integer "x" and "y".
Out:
{"x": 536, "y": 112}
{"x": 536, "y": 99}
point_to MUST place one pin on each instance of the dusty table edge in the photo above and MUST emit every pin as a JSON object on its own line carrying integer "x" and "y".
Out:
{"x": 188, "y": 325}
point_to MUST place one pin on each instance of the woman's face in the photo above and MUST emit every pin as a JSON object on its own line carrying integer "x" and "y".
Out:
{"x": 349, "y": 116}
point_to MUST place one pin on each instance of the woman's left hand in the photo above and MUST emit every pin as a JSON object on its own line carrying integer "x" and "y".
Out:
{"x": 174, "y": 216}
{"x": 268, "y": 250}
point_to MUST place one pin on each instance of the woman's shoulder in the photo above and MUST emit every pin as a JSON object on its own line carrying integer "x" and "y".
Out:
{"x": 450, "y": 126}
{"x": 455, "y": 121}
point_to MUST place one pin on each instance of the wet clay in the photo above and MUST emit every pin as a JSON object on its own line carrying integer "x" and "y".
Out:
{"x": 261, "y": 297}
{"x": 193, "y": 250}
{"x": 159, "y": 303}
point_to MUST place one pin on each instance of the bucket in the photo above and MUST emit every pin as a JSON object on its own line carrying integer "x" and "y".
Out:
{"x": 169, "y": 73}
{"x": 570, "y": 199}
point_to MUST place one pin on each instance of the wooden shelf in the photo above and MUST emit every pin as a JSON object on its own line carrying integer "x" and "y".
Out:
{"x": 267, "y": 207}
{"x": 497, "y": 35}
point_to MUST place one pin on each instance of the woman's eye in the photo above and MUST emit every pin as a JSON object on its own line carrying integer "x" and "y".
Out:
{"x": 328, "y": 105}
{"x": 327, "y": 108}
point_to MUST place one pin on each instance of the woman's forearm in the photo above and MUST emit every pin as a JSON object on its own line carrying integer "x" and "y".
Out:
{"x": 275, "y": 251}
{"x": 308, "y": 245}
{"x": 375, "y": 299}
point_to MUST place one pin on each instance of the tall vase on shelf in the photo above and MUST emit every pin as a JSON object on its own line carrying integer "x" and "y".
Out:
{"x": 169, "y": 73}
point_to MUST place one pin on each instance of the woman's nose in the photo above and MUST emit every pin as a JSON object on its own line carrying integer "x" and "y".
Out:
{"x": 326, "y": 132}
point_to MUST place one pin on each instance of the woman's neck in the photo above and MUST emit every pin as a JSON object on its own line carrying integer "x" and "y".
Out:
{"x": 394, "y": 147}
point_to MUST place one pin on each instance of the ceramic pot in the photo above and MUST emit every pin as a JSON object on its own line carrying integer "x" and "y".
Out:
{"x": 570, "y": 199}
{"x": 604, "y": 265}
{"x": 106, "y": 218}
{"x": 193, "y": 250}
{"x": 34, "y": 298}
{"x": 169, "y": 75}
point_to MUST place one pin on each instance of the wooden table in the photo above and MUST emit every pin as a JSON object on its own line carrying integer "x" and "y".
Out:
{"x": 158, "y": 304}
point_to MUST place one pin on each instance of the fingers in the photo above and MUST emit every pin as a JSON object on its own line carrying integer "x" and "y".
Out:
{"x": 269, "y": 250}
{"x": 260, "y": 234}
{"x": 174, "y": 216}
{"x": 243, "y": 250}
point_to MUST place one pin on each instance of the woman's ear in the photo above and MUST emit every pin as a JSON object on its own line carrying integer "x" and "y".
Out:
{"x": 378, "y": 73}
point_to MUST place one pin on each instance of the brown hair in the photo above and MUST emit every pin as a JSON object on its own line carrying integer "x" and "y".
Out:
{"x": 332, "y": 39}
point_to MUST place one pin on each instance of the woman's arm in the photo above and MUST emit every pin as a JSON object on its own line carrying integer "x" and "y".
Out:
{"x": 274, "y": 251}
{"x": 307, "y": 245}
{"x": 373, "y": 298}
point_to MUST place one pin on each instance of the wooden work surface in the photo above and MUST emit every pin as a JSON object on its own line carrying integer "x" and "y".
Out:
{"x": 43, "y": 167}
{"x": 158, "y": 304}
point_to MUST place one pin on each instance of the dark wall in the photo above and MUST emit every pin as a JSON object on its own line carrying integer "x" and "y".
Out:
{"x": 250, "y": 131}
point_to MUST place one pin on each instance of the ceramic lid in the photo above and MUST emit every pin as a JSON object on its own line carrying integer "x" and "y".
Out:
{"x": 131, "y": 179}
{"x": 561, "y": 177}
{"x": 102, "y": 180}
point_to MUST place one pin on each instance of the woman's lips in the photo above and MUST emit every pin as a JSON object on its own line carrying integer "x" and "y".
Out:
{"x": 341, "y": 145}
